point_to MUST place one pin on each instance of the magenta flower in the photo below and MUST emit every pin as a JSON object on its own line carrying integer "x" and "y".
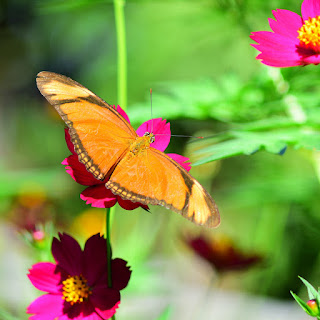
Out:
{"x": 294, "y": 41}
{"x": 97, "y": 194}
{"x": 76, "y": 284}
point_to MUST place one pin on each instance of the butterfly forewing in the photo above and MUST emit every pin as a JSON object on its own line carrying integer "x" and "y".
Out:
{"x": 101, "y": 136}
{"x": 152, "y": 177}
{"x": 104, "y": 140}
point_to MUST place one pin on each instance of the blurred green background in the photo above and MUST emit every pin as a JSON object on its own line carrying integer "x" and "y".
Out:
{"x": 197, "y": 58}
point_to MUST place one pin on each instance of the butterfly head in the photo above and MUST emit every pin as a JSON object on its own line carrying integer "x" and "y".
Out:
{"x": 151, "y": 137}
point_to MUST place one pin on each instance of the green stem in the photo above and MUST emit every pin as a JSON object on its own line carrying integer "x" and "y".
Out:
{"x": 109, "y": 249}
{"x": 109, "y": 213}
{"x": 293, "y": 108}
{"x": 122, "y": 97}
{"x": 122, "y": 52}
{"x": 294, "y": 111}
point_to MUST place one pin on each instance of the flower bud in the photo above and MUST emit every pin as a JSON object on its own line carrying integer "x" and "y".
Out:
{"x": 313, "y": 306}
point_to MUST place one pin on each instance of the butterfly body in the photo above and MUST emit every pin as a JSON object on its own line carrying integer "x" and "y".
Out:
{"x": 129, "y": 164}
{"x": 142, "y": 143}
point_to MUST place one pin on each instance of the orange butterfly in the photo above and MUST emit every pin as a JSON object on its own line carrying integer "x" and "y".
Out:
{"x": 109, "y": 147}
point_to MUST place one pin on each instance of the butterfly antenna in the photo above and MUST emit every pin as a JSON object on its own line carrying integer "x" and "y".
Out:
{"x": 172, "y": 135}
{"x": 151, "y": 110}
{"x": 179, "y": 136}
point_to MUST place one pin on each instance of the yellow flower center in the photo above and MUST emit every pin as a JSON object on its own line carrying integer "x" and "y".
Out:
{"x": 309, "y": 34}
{"x": 75, "y": 289}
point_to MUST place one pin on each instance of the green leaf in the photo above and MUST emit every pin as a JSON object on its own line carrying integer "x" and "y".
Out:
{"x": 244, "y": 142}
{"x": 248, "y": 142}
{"x": 312, "y": 292}
{"x": 303, "y": 305}
{"x": 165, "y": 314}
{"x": 227, "y": 99}
{"x": 308, "y": 139}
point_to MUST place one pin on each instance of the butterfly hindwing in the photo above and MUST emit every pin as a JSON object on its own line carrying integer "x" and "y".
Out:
{"x": 152, "y": 177}
{"x": 109, "y": 147}
{"x": 101, "y": 136}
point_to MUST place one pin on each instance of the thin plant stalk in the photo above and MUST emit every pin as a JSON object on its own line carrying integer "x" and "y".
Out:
{"x": 121, "y": 53}
{"x": 109, "y": 212}
{"x": 109, "y": 248}
{"x": 122, "y": 101}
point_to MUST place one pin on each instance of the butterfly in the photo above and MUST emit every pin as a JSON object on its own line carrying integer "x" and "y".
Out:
{"x": 109, "y": 147}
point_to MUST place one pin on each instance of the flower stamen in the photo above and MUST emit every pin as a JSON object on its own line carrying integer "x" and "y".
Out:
{"x": 309, "y": 34}
{"x": 75, "y": 289}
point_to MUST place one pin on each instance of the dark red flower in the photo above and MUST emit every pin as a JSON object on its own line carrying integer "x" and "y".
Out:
{"x": 97, "y": 194}
{"x": 76, "y": 284}
{"x": 221, "y": 255}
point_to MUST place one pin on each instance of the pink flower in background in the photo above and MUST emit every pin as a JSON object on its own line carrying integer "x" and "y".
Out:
{"x": 97, "y": 194}
{"x": 295, "y": 40}
{"x": 76, "y": 284}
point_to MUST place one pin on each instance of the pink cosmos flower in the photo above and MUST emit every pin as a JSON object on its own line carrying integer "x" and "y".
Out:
{"x": 76, "y": 284}
{"x": 97, "y": 194}
{"x": 294, "y": 41}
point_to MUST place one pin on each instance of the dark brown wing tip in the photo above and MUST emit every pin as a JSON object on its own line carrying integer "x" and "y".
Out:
{"x": 44, "y": 74}
{"x": 49, "y": 74}
{"x": 215, "y": 223}
{"x": 214, "y": 220}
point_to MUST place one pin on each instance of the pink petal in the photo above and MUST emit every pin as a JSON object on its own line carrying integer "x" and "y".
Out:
{"x": 287, "y": 23}
{"x": 107, "y": 314}
{"x": 64, "y": 317}
{"x": 160, "y": 129}
{"x": 68, "y": 254}
{"x": 44, "y": 277}
{"x": 78, "y": 171}
{"x": 310, "y": 9}
{"x": 46, "y": 307}
{"x": 122, "y": 112}
{"x": 99, "y": 196}
{"x": 314, "y": 59}
{"x": 183, "y": 161}
{"x": 129, "y": 205}
{"x": 280, "y": 63}
{"x": 279, "y": 59}
{"x": 92, "y": 316}
{"x": 276, "y": 49}
{"x": 95, "y": 259}
{"x": 68, "y": 141}
{"x": 121, "y": 274}
{"x": 274, "y": 40}
{"x": 295, "y": 57}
